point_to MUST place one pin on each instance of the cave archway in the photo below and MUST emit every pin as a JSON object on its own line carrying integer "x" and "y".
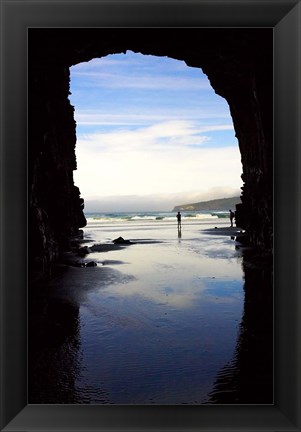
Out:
{"x": 238, "y": 63}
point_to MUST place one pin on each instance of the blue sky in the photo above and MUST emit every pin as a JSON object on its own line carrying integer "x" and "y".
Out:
{"x": 151, "y": 134}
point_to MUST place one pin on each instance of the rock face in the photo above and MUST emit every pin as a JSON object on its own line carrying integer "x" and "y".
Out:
{"x": 238, "y": 63}
{"x": 55, "y": 206}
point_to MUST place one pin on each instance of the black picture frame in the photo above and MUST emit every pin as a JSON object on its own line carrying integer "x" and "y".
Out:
{"x": 16, "y": 17}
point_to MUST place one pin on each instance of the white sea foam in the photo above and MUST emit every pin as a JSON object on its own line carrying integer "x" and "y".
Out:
{"x": 95, "y": 219}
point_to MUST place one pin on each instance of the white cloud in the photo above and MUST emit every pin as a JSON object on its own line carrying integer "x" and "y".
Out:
{"x": 175, "y": 133}
{"x": 154, "y": 161}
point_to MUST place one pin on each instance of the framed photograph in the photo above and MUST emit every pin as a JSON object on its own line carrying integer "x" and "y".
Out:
{"x": 149, "y": 246}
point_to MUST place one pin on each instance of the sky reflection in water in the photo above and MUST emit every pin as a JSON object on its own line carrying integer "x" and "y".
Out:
{"x": 165, "y": 329}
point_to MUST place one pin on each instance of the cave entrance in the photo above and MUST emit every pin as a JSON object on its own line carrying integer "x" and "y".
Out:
{"x": 151, "y": 134}
{"x": 239, "y": 73}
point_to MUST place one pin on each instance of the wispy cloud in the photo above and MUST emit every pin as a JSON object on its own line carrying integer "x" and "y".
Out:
{"x": 177, "y": 134}
{"x": 110, "y": 80}
{"x": 145, "y": 116}
{"x": 140, "y": 72}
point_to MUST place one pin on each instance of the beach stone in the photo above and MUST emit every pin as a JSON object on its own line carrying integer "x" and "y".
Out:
{"x": 121, "y": 240}
{"x": 91, "y": 264}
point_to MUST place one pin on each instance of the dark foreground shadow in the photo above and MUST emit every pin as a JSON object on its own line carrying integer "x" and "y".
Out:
{"x": 55, "y": 348}
{"x": 248, "y": 378}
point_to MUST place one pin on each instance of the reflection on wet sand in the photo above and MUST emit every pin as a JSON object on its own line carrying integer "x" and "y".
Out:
{"x": 54, "y": 351}
{"x": 100, "y": 335}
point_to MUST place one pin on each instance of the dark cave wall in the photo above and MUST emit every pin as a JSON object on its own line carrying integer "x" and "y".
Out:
{"x": 55, "y": 206}
{"x": 238, "y": 63}
{"x": 248, "y": 91}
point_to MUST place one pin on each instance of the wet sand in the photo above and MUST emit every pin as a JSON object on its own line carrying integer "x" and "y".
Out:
{"x": 153, "y": 322}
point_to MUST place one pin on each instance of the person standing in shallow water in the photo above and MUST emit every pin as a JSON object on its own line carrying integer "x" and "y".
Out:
{"x": 232, "y": 215}
{"x": 179, "y": 217}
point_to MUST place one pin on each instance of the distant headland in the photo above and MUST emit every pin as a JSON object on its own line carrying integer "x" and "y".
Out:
{"x": 217, "y": 204}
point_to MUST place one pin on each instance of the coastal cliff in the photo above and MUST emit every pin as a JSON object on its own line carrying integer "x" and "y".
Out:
{"x": 217, "y": 204}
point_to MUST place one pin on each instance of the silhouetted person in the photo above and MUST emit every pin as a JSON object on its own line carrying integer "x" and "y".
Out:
{"x": 179, "y": 217}
{"x": 232, "y": 216}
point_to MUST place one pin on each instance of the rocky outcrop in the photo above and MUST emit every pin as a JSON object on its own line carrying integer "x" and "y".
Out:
{"x": 238, "y": 63}
{"x": 218, "y": 204}
{"x": 55, "y": 206}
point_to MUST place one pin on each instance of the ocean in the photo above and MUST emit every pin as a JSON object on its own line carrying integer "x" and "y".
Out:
{"x": 97, "y": 218}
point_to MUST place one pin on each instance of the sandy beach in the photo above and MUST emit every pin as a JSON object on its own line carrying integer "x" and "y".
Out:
{"x": 153, "y": 321}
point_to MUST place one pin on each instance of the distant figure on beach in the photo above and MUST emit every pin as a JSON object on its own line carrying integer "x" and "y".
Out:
{"x": 232, "y": 216}
{"x": 179, "y": 217}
